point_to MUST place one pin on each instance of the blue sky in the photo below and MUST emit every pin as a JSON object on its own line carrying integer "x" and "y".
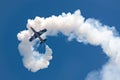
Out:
{"x": 71, "y": 60}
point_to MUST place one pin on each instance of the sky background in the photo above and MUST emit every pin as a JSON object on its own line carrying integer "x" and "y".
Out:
{"x": 71, "y": 60}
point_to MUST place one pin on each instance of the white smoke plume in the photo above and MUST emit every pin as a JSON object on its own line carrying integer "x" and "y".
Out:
{"x": 75, "y": 26}
{"x": 33, "y": 60}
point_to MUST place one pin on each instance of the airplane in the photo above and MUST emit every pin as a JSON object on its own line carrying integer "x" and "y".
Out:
{"x": 37, "y": 35}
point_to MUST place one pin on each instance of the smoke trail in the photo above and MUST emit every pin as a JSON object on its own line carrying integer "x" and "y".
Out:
{"x": 33, "y": 60}
{"x": 87, "y": 31}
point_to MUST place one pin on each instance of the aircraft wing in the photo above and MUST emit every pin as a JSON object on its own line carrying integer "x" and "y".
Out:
{"x": 32, "y": 38}
{"x": 42, "y": 31}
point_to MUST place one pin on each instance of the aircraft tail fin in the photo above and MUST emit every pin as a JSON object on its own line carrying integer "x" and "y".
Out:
{"x": 43, "y": 41}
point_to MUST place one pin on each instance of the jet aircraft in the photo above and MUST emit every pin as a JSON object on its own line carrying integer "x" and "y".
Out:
{"x": 37, "y": 35}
